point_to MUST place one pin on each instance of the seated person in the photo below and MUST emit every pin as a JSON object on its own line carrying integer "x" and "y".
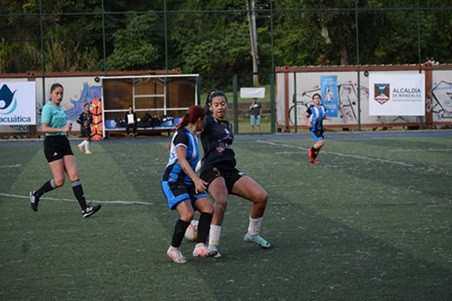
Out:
{"x": 131, "y": 121}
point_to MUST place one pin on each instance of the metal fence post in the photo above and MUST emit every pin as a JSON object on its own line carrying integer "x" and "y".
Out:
{"x": 272, "y": 103}
{"x": 236, "y": 104}
{"x": 294, "y": 100}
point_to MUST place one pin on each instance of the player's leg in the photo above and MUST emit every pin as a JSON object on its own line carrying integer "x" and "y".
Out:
{"x": 204, "y": 206}
{"x": 81, "y": 145}
{"x": 315, "y": 149}
{"x": 247, "y": 188}
{"x": 219, "y": 193}
{"x": 186, "y": 212}
{"x": 87, "y": 140}
{"x": 72, "y": 171}
{"x": 57, "y": 169}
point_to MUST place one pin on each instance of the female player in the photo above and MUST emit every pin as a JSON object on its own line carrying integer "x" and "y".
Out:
{"x": 314, "y": 117}
{"x": 184, "y": 190}
{"x": 85, "y": 119}
{"x": 218, "y": 170}
{"x": 58, "y": 153}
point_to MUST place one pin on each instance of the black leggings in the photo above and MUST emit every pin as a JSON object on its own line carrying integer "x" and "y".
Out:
{"x": 133, "y": 126}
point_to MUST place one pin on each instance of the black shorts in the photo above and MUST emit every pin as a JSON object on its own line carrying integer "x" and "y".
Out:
{"x": 86, "y": 131}
{"x": 317, "y": 135}
{"x": 56, "y": 147}
{"x": 222, "y": 169}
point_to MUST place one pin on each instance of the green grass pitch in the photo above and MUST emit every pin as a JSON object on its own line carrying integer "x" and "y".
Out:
{"x": 372, "y": 221}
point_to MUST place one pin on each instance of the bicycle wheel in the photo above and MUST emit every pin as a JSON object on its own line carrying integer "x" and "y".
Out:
{"x": 300, "y": 112}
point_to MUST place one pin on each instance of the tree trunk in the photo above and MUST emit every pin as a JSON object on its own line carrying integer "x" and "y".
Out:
{"x": 251, "y": 7}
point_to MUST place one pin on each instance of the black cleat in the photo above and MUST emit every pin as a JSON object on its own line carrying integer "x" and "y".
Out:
{"x": 34, "y": 200}
{"x": 90, "y": 211}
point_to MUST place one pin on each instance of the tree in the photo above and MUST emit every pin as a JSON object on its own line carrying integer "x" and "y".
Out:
{"x": 133, "y": 46}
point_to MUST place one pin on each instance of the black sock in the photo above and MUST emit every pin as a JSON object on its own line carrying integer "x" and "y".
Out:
{"x": 79, "y": 195}
{"x": 179, "y": 232}
{"x": 204, "y": 227}
{"x": 315, "y": 152}
{"x": 48, "y": 186}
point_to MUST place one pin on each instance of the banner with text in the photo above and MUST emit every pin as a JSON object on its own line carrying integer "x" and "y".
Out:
{"x": 17, "y": 103}
{"x": 396, "y": 94}
{"x": 329, "y": 93}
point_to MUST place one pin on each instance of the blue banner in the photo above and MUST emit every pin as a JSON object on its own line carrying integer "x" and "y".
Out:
{"x": 329, "y": 92}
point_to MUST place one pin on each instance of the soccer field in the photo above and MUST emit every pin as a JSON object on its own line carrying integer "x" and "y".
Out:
{"x": 372, "y": 221}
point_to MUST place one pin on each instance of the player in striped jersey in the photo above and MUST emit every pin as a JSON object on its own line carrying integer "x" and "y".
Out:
{"x": 314, "y": 117}
{"x": 184, "y": 190}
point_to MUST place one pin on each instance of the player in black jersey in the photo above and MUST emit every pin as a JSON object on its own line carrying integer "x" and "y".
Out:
{"x": 85, "y": 119}
{"x": 218, "y": 170}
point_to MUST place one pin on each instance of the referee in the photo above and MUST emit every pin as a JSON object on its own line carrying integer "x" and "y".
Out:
{"x": 58, "y": 153}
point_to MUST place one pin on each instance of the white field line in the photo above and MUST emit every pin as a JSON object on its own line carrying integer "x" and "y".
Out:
{"x": 74, "y": 200}
{"x": 341, "y": 154}
{"x": 10, "y": 166}
{"x": 422, "y": 150}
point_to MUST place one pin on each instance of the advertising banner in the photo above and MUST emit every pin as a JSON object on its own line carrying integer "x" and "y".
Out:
{"x": 396, "y": 94}
{"x": 329, "y": 93}
{"x": 252, "y": 92}
{"x": 17, "y": 103}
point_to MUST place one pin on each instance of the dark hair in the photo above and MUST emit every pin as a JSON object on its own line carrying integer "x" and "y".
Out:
{"x": 316, "y": 94}
{"x": 214, "y": 93}
{"x": 54, "y": 86}
{"x": 86, "y": 104}
{"x": 192, "y": 115}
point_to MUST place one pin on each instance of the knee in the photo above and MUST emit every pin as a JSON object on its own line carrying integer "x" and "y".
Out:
{"x": 221, "y": 202}
{"x": 59, "y": 182}
{"x": 208, "y": 210}
{"x": 261, "y": 198}
{"x": 187, "y": 216}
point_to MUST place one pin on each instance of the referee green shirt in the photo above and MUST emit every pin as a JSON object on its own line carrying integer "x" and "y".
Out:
{"x": 55, "y": 117}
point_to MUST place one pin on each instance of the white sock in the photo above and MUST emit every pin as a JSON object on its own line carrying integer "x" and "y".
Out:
{"x": 214, "y": 235}
{"x": 86, "y": 145}
{"x": 255, "y": 225}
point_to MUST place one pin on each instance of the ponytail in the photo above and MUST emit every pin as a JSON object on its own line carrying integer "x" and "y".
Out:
{"x": 192, "y": 116}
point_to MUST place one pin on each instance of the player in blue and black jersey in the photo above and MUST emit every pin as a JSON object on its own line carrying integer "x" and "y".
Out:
{"x": 184, "y": 190}
{"x": 314, "y": 117}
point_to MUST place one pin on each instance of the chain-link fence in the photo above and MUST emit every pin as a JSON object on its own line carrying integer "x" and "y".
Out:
{"x": 231, "y": 44}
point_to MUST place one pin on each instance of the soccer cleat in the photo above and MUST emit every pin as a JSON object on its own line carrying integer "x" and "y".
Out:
{"x": 80, "y": 148}
{"x": 34, "y": 200}
{"x": 90, "y": 211}
{"x": 311, "y": 156}
{"x": 212, "y": 251}
{"x": 200, "y": 250}
{"x": 176, "y": 255}
{"x": 257, "y": 239}
{"x": 315, "y": 161}
{"x": 88, "y": 153}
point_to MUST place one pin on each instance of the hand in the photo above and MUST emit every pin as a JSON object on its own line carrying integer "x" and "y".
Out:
{"x": 200, "y": 185}
{"x": 68, "y": 127}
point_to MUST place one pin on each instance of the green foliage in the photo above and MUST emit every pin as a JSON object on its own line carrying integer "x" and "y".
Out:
{"x": 212, "y": 37}
{"x": 133, "y": 47}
